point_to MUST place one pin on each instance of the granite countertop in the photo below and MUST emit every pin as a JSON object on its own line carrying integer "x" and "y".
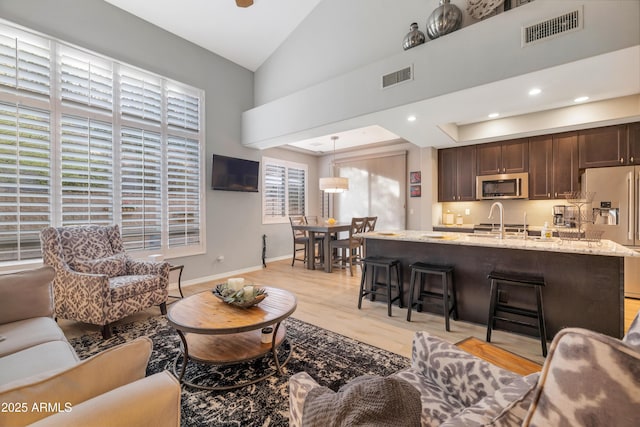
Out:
{"x": 603, "y": 248}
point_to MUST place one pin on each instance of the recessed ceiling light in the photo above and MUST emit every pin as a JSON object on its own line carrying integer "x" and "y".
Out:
{"x": 412, "y": 118}
{"x": 494, "y": 115}
{"x": 581, "y": 99}
{"x": 535, "y": 91}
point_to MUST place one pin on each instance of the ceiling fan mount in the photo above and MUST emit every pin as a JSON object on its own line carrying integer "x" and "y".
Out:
{"x": 244, "y": 3}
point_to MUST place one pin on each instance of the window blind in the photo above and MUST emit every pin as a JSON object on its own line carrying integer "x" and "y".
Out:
{"x": 85, "y": 80}
{"x": 86, "y": 171}
{"x": 184, "y": 191}
{"x": 24, "y": 65}
{"x": 25, "y": 180}
{"x": 284, "y": 189}
{"x": 141, "y": 175}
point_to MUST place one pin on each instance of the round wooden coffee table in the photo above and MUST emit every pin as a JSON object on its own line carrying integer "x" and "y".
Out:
{"x": 217, "y": 333}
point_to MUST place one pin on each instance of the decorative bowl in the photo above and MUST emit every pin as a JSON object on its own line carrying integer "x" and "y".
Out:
{"x": 237, "y": 297}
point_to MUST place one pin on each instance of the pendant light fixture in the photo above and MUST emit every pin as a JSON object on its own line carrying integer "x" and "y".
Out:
{"x": 334, "y": 184}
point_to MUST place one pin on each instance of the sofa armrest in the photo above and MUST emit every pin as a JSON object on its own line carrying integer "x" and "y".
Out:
{"x": 455, "y": 371}
{"x": 151, "y": 401}
{"x": 26, "y": 295}
{"x": 300, "y": 385}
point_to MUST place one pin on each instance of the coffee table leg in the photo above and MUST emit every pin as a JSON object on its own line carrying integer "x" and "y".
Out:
{"x": 274, "y": 349}
{"x": 185, "y": 357}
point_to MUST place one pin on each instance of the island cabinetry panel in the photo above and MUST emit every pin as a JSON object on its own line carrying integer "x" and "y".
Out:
{"x": 457, "y": 174}
{"x": 553, "y": 165}
{"x": 581, "y": 290}
{"x": 503, "y": 157}
{"x": 602, "y": 147}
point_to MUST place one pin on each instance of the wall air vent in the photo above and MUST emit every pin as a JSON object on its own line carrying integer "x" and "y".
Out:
{"x": 565, "y": 23}
{"x": 396, "y": 77}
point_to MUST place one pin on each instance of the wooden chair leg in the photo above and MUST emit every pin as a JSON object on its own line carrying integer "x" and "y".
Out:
{"x": 163, "y": 308}
{"x": 106, "y": 331}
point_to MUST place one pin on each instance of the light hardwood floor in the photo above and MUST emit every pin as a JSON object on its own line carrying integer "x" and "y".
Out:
{"x": 330, "y": 301}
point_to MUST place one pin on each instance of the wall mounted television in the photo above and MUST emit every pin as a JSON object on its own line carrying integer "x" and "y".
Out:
{"x": 233, "y": 174}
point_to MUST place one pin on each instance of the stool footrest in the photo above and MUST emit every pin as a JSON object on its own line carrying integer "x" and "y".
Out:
{"x": 517, "y": 310}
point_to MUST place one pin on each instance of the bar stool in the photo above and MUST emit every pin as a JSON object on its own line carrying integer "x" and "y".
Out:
{"x": 449, "y": 303}
{"x": 517, "y": 279}
{"x": 370, "y": 265}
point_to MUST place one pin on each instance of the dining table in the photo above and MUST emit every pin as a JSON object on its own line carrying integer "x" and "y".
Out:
{"x": 322, "y": 227}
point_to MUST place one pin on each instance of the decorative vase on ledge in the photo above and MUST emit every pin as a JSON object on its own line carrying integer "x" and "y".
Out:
{"x": 413, "y": 38}
{"x": 445, "y": 19}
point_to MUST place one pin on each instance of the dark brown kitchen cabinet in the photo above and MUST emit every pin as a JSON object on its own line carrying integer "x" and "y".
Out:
{"x": 503, "y": 157}
{"x": 457, "y": 174}
{"x": 604, "y": 146}
{"x": 553, "y": 165}
{"x": 633, "y": 136}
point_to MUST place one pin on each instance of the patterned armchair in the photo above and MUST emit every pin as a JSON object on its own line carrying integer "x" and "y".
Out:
{"x": 587, "y": 379}
{"x": 95, "y": 281}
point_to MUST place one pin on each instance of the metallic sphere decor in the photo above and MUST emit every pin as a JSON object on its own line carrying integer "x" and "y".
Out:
{"x": 413, "y": 38}
{"x": 444, "y": 20}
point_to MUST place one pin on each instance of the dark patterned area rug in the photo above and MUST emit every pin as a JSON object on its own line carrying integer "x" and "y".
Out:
{"x": 330, "y": 358}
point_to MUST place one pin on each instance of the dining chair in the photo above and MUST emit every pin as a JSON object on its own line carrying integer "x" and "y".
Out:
{"x": 369, "y": 225}
{"x": 350, "y": 247}
{"x": 319, "y": 238}
{"x": 300, "y": 238}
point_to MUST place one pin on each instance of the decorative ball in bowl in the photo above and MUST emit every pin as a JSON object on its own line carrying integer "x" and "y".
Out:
{"x": 245, "y": 296}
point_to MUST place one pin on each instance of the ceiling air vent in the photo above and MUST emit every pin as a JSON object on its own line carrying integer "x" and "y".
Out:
{"x": 568, "y": 22}
{"x": 396, "y": 77}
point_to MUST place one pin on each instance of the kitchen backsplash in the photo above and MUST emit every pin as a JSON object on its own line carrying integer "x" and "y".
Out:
{"x": 538, "y": 211}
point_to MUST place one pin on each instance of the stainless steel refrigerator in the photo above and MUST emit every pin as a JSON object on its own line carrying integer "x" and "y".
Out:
{"x": 616, "y": 210}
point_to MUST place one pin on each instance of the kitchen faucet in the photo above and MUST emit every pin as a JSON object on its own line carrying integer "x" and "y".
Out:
{"x": 501, "y": 209}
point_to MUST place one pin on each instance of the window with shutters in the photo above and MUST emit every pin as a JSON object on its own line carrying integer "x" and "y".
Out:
{"x": 85, "y": 139}
{"x": 284, "y": 190}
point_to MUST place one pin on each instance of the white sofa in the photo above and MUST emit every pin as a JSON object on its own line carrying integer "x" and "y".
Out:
{"x": 43, "y": 382}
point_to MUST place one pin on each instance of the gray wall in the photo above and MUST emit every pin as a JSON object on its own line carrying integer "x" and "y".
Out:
{"x": 233, "y": 220}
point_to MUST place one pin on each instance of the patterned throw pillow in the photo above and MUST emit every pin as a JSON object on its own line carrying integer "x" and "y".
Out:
{"x": 112, "y": 266}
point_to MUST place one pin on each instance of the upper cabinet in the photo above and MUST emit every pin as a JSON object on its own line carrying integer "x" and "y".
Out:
{"x": 605, "y": 146}
{"x": 553, "y": 165}
{"x": 457, "y": 174}
{"x": 503, "y": 157}
{"x": 633, "y": 137}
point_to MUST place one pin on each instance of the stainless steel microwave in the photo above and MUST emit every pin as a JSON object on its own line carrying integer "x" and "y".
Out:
{"x": 504, "y": 186}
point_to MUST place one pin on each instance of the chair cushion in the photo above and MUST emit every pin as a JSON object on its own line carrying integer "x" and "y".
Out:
{"x": 364, "y": 401}
{"x": 112, "y": 266}
{"x": 27, "y": 333}
{"x": 125, "y": 287}
{"x": 588, "y": 379}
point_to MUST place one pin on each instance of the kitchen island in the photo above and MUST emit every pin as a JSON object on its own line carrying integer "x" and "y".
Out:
{"x": 584, "y": 280}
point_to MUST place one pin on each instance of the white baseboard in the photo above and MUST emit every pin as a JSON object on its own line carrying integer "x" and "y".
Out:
{"x": 205, "y": 279}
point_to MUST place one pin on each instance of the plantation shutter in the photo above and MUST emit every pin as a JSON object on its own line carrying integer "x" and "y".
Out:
{"x": 85, "y": 80}
{"x": 87, "y": 171}
{"x": 87, "y": 139}
{"x": 284, "y": 186}
{"x": 183, "y": 191}
{"x": 24, "y": 65}
{"x": 274, "y": 190}
{"x": 141, "y": 176}
{"x": 140, "y": 97}
{"x": 296, "y": 191}
{"x": 25, "y": 180}
{"x": 183, "y": 111}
